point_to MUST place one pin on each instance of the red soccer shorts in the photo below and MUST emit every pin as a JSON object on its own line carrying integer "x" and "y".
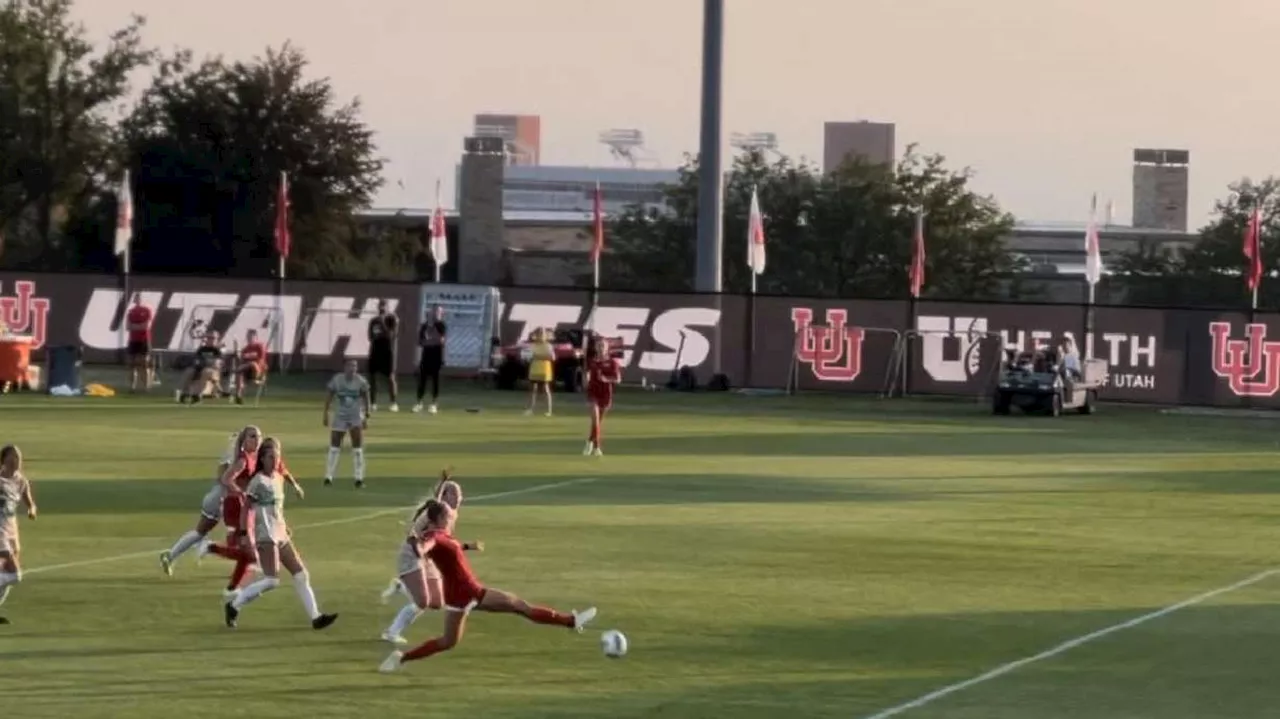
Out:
{"x": 603, "y": 400}
{"x": 462, "y": 596}
{"x": 232, "y": 509}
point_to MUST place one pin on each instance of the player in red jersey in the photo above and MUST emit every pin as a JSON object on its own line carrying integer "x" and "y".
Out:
{"x": 239, "y": 552}
{"x": 240, "y": 458}
{"x": 417, "y": 577}
{"x": 252, "y": 366}
{"x": 138, "y": 322}
{"x": 603, "y": 373}
{"x": 463, "y": 592}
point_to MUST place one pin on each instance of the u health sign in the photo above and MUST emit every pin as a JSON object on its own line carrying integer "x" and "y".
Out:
{"x": 1161, "y": 356}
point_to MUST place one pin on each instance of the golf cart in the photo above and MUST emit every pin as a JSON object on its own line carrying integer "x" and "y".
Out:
{"x": 1039, "y": 383}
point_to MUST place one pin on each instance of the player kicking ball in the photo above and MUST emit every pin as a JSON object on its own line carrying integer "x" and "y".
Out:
{"x": 463, "y": 592}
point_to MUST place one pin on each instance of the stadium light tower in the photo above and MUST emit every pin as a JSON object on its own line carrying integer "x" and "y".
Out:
{"x": 755, "y": 141}
{"x": 624, "y": 145}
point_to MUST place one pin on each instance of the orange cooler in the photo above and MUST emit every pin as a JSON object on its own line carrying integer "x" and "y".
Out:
{"x": 15, "y": 358}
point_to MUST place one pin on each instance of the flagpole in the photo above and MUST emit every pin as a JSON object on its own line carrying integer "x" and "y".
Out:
{"x": 282, "y": 197}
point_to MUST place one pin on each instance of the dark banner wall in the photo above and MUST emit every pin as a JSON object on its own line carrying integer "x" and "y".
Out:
{"x": 1165, "y": 356}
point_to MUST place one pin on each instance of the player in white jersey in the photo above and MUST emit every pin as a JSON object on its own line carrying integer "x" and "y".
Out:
{"x": 416, "y": 576}
{"x": 348, "y": 397}
{"x": 271, "y": 539}
{"x": 15, "y": 491}
{"x": 236, "y": 465}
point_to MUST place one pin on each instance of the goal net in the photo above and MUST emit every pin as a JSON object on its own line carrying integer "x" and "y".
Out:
{"x": 471, "y": 315}
{"x": 324, "y": 327}
{"x": 233, "y": 327}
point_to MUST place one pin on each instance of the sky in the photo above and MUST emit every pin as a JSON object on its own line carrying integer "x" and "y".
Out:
{"x": 1044, "y": 99}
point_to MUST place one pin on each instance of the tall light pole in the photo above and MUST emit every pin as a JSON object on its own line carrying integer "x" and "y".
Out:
{"x": 710, "y": 172}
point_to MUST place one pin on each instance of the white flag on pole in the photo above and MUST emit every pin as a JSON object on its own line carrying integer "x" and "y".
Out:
{"x": 1093, "y": 254}
{"x": 124, "y": 216}
{"x": 439, "y": 235}
{"x": 755, "y": 236}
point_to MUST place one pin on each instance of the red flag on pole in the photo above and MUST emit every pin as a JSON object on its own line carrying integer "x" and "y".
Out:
{"x": 1253, "y": 249}
{"x": 918, "y": 256}
{"x": 283, "y": 241}
{"x": 597, "y": 217}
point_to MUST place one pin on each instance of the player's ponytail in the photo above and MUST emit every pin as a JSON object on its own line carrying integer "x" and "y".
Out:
{"x": 446, "y": 487}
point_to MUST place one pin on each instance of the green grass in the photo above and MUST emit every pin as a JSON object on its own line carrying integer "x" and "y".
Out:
{"x": 800, "y": 557}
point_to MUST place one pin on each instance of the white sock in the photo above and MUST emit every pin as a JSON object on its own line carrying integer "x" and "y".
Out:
{"x": 185, "y": 542}
{"x": 358, "y": 453}
{"x": 7, "y": 580}
{"x": 404, "y": 618}
{"x": 302, "y": 585}
{"x": 254, "y": 590}
{"x": 331, "y": 462}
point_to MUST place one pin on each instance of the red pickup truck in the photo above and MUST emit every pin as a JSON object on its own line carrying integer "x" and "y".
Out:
{"x": 570, "y": 346}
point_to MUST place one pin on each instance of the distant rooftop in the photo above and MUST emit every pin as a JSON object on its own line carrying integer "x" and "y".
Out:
{"x": 569, "y": 173}
{"x": 1040, "y": 227}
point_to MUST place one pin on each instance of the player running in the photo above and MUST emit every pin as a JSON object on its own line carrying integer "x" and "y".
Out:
{"x": 244, "y": 556}
{"x": 417, "y": 577}
{"x": 350, "y": 418}
{"x": 270, "y": 537}
{"x": 603, "y": 375}
{"x": 237, "y": 462}
{"x": 15, "y": 490}
{"x": 463, "y": 592}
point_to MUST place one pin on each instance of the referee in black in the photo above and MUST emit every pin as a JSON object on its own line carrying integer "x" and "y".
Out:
{"x": 431, "y": 344}
{"x": 384, "y": 330}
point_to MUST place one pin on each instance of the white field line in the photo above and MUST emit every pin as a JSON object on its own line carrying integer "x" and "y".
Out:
{"x": 1069, "y": 645}
{"x": 326, "y": 523}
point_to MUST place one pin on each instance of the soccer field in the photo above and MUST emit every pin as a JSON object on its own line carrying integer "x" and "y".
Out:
{"x": 799, "y": 557}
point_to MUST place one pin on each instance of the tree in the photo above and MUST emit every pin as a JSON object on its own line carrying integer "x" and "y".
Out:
{"x": 57, "y": 143}
{"x": 208, "y": 142}
{"x": 846, "y": 233}
{"x": 1210, "y": 273}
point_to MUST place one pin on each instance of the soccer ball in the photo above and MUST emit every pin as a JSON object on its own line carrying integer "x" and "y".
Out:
{"x": 614, "y": 644}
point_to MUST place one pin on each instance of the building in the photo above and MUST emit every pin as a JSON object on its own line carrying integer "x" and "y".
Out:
{"x": 874, "y": 142}
{"x": 521, "y": 134}
{"x": 547, "y": 188}
{"x": 1058, "y": 247}
{"x": 1160, "y": 188}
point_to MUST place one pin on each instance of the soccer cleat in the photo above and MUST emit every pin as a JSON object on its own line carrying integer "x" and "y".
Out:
{"x": 230, "y": 615}
{"x": 359, "y": 484}
{"x": 582, "y": 618}
{"x": 373, "y": 408}
{"x": 390, "y": 591}
{"x": 3, "y": 621}
{"x": 548, "y": 413}
{"x": 394, "y": 639}
{"x": 166, "y": 562}
{"x": 433, "y": 409}
{"x": 597, "y": 452}
{"x": 590, "y": 449}
{"x": 206, "y": 546}
{"x": 394, "y": 407}
{"x": 323, "y": 621}
{"x": 417, "y": 408}
{"x": 328, "y": 481}
{"x": 528, "y": 413}
{"x": 391, "y": 663}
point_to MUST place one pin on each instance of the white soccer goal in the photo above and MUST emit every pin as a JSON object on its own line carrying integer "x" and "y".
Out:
{"x": 233, "y": 328}
{"x": 322, "y": 327}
